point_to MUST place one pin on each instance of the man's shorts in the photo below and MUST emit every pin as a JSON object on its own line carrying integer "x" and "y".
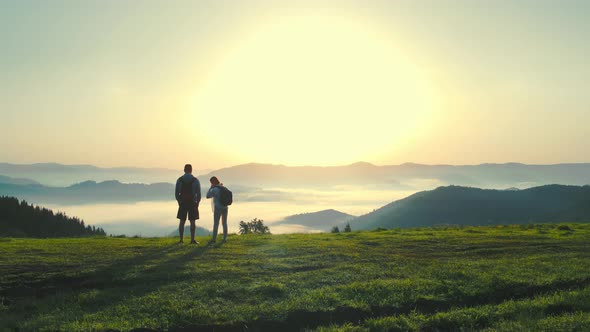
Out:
{"x": 192, "y": 211}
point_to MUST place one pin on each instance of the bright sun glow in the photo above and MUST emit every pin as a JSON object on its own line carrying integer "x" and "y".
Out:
{"x": 313, "y": 90}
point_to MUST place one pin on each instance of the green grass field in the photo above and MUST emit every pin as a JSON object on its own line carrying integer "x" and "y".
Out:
{"x": 505, "y": 278}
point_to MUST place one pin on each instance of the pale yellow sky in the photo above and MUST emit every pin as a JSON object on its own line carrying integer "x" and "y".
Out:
{"x": 218, "y": 83}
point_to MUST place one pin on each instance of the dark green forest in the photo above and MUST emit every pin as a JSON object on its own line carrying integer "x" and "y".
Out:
{"x": 456, "y": 205}
{"x": 19, "y": 219}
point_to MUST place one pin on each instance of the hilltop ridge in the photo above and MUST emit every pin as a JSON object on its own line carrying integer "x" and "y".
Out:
{"x": 459, "y": 205}
{"x": 321, "y": 220}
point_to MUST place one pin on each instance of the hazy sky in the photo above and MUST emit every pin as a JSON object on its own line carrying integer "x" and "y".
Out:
{"x": 217, "y": 83}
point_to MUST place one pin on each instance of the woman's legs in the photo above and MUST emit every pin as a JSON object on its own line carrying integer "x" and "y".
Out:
{"x": 224, "y": 223}
{"x": 216, "y": 216}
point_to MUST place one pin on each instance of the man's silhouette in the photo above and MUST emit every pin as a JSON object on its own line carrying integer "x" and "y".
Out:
{"x": 188, "y": 196}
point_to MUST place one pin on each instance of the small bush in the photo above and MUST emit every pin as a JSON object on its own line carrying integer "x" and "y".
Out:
{"x": 255, "y": 226}
{"x": 347, "y": 228}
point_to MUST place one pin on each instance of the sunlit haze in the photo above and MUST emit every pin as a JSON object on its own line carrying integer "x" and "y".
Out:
{"x": 315, "y": 90}
{"x": 219, "y": 83}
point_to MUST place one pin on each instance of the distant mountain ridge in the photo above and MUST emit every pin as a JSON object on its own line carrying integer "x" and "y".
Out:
{"x": 321, "y": 220}
{"x": 402, "y": 176}
{"x": 91, "y": 192}
{"x": 113, "y": 191}
{"x": 17, "y": 181}
{"x": 473, "y": 206}
{"x": 54, "y": 174}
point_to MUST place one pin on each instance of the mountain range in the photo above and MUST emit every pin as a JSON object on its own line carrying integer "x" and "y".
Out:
{"x": 461, "y": 203}
{"x": 446, "y": 205}
{"x": 113, "y": 191}
{"x": 408, "y": 176}
{"x": 17, "y": 181}
{"x": 405, "y": 176}
{"x": 89, "y": 192}
{"x": 54, "y": 174}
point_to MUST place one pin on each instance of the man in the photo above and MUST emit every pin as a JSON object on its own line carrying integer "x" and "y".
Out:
{"x": 188, "y": 196}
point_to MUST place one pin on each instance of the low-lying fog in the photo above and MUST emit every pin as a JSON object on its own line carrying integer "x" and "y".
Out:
{"x": 159, "y": 218}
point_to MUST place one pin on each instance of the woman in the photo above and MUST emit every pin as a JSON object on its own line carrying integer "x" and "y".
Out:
{"x": 219, "y": 210}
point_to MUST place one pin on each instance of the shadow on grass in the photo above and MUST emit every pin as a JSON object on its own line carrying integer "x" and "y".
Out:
{"x": 98, "y": 279}
{"x": 121, "y": 274}
{"x": 298, "y": 320}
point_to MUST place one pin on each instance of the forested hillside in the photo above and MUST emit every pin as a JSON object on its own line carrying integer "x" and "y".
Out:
{"x": 19, "y": 219}
{"x": 473, "y": 206}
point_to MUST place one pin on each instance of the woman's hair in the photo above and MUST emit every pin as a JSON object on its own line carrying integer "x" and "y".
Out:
{"x": 214, "y": 180}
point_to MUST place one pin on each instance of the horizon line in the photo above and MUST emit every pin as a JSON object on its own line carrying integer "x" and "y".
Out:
{"x": 358, "y": 163}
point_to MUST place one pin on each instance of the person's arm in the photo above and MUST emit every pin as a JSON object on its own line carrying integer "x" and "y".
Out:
{"x": 197, "y": 189}
{"x": 177, "y": 192}
{"x": 211, "y": 192}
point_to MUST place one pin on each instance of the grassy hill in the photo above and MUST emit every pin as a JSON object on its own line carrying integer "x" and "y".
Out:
{"x": 323, "y": 220}
{"x": 504, "y": 278}
{"x": 474, "y": 206}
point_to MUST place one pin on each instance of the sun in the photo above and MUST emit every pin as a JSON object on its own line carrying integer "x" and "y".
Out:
{"x": 313, "y": 90}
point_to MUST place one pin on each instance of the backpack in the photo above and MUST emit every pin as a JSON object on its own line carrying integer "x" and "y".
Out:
{"x": 186, "y": 193}
{"x": 225, "y": 196}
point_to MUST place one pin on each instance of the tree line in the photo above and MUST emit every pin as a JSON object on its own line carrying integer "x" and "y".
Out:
{"x": 347, "y": 229}
{"x": 19, "y": 219}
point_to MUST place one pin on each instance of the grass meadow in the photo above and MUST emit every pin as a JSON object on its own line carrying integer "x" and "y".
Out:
{"x": 497, "y": 278}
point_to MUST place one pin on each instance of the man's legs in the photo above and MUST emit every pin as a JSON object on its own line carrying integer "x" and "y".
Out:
{"x": 181, "y": 229}
{"x": 193, "y": 228}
